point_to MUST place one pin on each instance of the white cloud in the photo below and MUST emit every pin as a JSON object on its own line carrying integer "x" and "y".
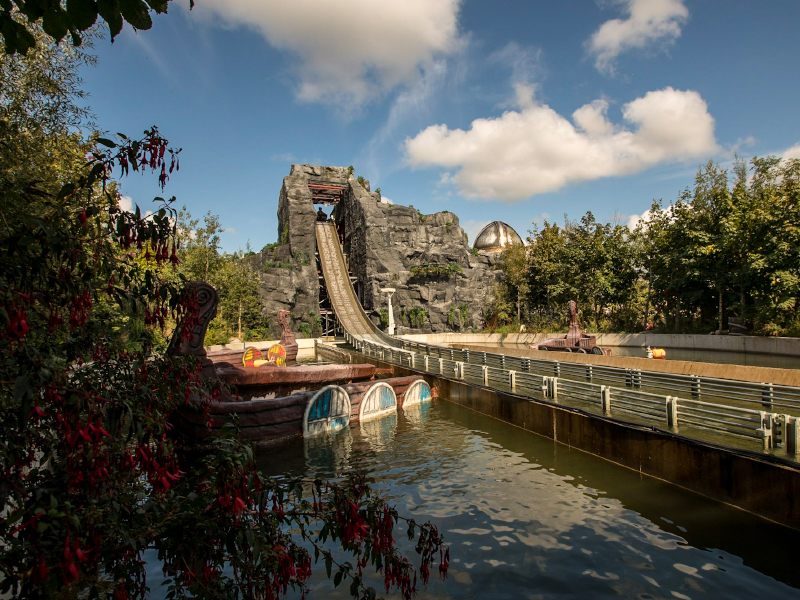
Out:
{"x": 284, "y": 157}
{"x": 524, "y": 61}
{"x": 647, "y": 216}
{"x": 634, "y": 220}
{"x": 793, "y": 152}
{"x": 386, "y": 200}
{"x": 126, "y": 203}
{"x": 230, "y": 230}
{"x": 535, "y": 150}
{"x": 648, "y": 22}
{"x": 349, "y": 51}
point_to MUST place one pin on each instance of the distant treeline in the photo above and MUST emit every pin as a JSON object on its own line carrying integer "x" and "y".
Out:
{"x": 730, "y": 247}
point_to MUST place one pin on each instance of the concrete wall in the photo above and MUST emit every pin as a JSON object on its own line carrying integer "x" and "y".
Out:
{"x": 724, "y": 343}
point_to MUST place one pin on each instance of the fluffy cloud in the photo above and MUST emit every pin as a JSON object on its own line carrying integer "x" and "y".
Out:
{"x": 648, "y": 22}
{"x": 126, "y": 203}
{"x": 793, "y": 152}
{"x": 349, "y": 51}
{"x": 534, "y": 149}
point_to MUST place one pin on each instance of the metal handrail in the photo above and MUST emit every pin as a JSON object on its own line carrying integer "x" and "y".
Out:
{"x": 528, "y": 377}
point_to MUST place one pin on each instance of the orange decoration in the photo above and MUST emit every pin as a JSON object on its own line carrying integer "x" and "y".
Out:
{"x": 277, "y": 354}
{"x": 250, "y": 356}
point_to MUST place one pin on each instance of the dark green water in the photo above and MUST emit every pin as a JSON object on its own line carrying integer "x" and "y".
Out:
{"x": 527, "y": 518}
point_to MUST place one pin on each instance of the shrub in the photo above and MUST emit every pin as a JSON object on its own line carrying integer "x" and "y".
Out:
{"x": 417, "y": 316}
{"x": 447, "y": 270}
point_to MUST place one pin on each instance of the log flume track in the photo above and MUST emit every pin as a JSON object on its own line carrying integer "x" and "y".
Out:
{"x": 345, "y": 303}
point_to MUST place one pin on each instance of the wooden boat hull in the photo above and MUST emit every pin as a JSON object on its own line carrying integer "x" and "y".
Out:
{"x": 274, "y": 420}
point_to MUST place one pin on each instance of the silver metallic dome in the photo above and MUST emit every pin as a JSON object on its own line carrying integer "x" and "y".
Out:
{"x": 496, "y": 236}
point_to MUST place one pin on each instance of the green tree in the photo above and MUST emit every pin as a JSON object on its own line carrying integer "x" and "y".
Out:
{"x": 240, "y": 303}
{"x": 89, "y": 479}
{"x": 515, "y": 266}
{"x": 58, "y": 19}
{"x": 200, "y": 254}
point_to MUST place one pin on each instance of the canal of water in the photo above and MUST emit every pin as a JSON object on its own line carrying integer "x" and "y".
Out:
{"x": 529, "y": 518}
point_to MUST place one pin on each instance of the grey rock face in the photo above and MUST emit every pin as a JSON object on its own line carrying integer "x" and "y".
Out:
{"x": 383, "y": 242}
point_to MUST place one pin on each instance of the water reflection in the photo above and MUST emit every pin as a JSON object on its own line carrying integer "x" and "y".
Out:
{"x": 529, "y": 518}
{"x": 377, "y": 433}
{"x": 329, "y": 454}
{"x": 416, "y": 413}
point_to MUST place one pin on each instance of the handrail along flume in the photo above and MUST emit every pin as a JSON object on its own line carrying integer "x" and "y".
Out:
{"x": 775, "y": 424}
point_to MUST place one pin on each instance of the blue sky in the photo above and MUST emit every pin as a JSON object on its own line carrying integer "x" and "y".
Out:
{"x": 517, "y": 111}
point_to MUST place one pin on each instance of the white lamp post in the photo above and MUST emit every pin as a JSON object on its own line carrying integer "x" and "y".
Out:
{"x": 389, "y": 292}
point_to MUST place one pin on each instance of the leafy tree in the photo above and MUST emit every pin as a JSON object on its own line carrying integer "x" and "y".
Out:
{"x": 515, "y": 265}
{"x": 73, "y": 17}
{"x": 240, "y": 303}
{"x": 89, "y": 479}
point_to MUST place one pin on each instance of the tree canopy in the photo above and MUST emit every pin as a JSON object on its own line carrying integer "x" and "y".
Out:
{"x": 89, "y": 477}
{"x": 727, "y": 247}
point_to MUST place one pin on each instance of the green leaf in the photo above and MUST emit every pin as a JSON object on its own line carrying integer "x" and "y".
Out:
{"x": 106, "y": 142}
{"x": 354, "y": 587}
{"x": 328, "y": 563}
{"x": 337, "y": 579}
{"x": 56, "y": 23}
{"x": 137, "y": 13}
{"x": 160, "y": 6}
{"x": 66, "y": 190}
{"x": 16, "y": 36}
{"x": 23, "y": 395}
{"x": 109, "y": 10}
{"x": 82, "y": 12}
{"x": 22, "y": 388}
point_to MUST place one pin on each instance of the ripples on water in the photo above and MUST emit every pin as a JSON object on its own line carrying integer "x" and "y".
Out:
{"x": 527, "y": 518}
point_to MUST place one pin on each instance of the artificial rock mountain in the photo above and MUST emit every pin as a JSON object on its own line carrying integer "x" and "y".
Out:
{"x": 384, "y": 242}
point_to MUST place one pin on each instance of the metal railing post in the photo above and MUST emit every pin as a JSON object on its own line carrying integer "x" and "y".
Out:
{"x": 512, "y": 380}
{"x": 778, "y": 427}
{"x": 426, "y": 362}
{"x": 459, "y": 370}
{"x": 589, "y": 372}
{"x": 605, "y": 399}
{"x": 765, "y": 431}
{"x": 672, "y": 412}
{"x": 552, "y": 388}
{"x": 792, "y": 436}
{"x": 556, "y": 369}
{"x": 695, "y": 386}
{"x": 485, "y": 374}
{"x": 767, "y": 396}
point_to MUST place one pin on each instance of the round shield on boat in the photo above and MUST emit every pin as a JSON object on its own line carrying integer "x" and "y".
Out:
{"x": 379, "y": 400}
{"x": 251, "y": 355}
{"x": 417, "y": 393}
{"x": 328, "y": 411}
{"x": 277, "y": 354}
